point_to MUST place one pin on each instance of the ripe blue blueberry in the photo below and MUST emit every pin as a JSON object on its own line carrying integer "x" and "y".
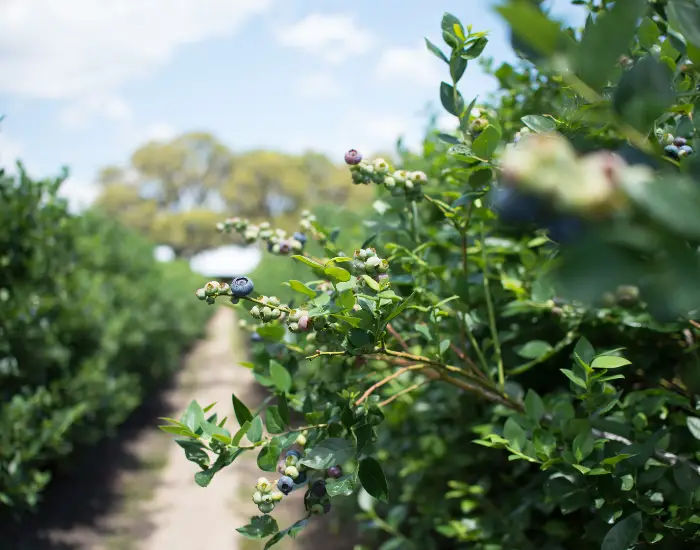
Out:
{"x": 685, "y": 150}
{"x": 301, "y": 478}
{"x": 672, "y": 151}
{"x": 679, "y": 141}
{"x": 292, "y": 452}
{"x": 563, "y": 229}
{"x": 353, "y": 157}
{"x": 335, "y": 472}
{"x": 516, "y": 207}
{"x": 285, "y": 484}
{"x": 241, "y": 286}
{"x": 300, "y": 237}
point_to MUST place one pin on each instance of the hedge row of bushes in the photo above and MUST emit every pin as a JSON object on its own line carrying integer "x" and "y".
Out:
{"x": 90, "y": 322}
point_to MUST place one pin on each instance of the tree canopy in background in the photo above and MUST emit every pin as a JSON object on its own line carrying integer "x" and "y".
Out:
{"x": 175, "y": 191}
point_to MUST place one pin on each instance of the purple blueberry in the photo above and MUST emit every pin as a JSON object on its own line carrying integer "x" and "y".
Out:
{"x": 318, "y": 488}
{"x": 353, "y": 157}
{"x": 335, "y": 472}
{"x": 679, "y": 141}
{"x": 285, "y": 484}
{"x": 241, "y": 286}
{"x": 672, "y": 151}
{"x": 285, "y": 247}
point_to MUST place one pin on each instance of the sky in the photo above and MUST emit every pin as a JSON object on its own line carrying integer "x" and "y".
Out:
{"x": 85, "y": 82}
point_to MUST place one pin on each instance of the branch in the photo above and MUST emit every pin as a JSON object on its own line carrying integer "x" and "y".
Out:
{"x": 387, "y": 379}
{"x": 397, "y": 336}
{"x": 403, "y": 391}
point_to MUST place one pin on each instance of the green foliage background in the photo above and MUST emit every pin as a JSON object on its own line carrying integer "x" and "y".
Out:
{"x": 90, "y": 324}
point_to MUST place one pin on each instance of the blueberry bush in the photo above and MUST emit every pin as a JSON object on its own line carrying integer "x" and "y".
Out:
{"x": 510, "y": 359}
{"x": 90, "y": 325}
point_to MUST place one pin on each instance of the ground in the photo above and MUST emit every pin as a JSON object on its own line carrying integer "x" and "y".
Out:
{"x": 136, "y": 491}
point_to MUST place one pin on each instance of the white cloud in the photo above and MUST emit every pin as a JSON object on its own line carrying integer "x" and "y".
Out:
{"x": 80, "y": 112}
{"x": 409, "y": 66}
{"x": 10, "y": 151}
{"x": 74, "y": 48}
{"x": 335, "y": 37}
{"x": 159, "y": 131}
{"x": 317, "y": 86}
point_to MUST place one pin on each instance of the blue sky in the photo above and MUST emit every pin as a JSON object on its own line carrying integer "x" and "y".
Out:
{"x": 84, "y": 82}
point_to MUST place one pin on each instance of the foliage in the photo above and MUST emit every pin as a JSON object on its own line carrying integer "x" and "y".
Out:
{"x": 90, "y": 323}
{"x": 526, "y": 376}
{"x": 174, "y": 191}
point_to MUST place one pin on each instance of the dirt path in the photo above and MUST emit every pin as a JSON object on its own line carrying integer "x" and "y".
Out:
{"x": 184, "y": 515}
{"x": 136, "y": 491}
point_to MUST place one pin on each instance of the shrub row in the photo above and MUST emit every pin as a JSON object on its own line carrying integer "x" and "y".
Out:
{"x": 90, "y": 322}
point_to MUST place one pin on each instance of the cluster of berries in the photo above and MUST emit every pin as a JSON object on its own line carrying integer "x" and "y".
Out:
{"x": 277, "y": 240}
{"x": 240, "y": 286}
{"x": 366, "y": 261}
{"x": 270, "y": 311}
{"x": 399, "y": 182}
{"x": 299, "y": 321}
{"x": 676, "y": 147}
{"x": 293, "y": 476}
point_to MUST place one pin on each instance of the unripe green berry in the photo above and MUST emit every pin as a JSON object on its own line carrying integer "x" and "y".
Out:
{"x": 277, "y": 496}
{"x": 266, "y": 507}
{"x": 263, "y": 485}
{"x": 389, "y": 182}
{"x": 381, "y": 166}
{"x": 294, "y": 327}
{"x": 291, "y": 460}
{"x": 211, "y": 288}
{"x": 372, "y": 262}
{"x": 255, "y": 311}
{"x": 301, "y": 440}
{"x": 200, "y": 293}
{"x": 257, "y": 497}
{"x": 418, "y": 177}
{"x": 291, "y": 471}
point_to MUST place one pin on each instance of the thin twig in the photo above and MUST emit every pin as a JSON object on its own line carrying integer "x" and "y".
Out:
{"x": 398, "y": 337}
{"x": 386, "y": 379}
{"x": 403, "y": 391}
{"x": 492, "y": 315}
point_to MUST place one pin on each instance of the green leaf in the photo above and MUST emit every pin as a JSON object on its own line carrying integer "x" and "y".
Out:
{"x": 474, "y": 50}
{"x": 583, "y": 445}
{"x": 372, "y": 478}
{"x": 337, "y": 273}
{"x": 194, "y": 452}
{"x": 254, "y": 433}
{"x": 327, "y": 453}
{"x": 539, "y": 124}
{"x": 485, "y": 145}
{"x": 648, "y": 33}
{"x": 193, "y": 416}
{"x": 300, "y": 287}
{"x": 644, "y": 93}
{"x": 283, "y": 408}
{"x": 307, "y": 261}
{"x": 273, "y": 420}
{"x": 584, "y": 350}
{"x": 693, "y": 423}
{"x": 259, "y": 527}
{"x": 346, "y": 299}
{"x": 374, "y": 285}
{"x": 451, "y": 99}
{"x": 452, "y": 30}
{"x": 623, "y": 534}
{"x": 280, "y": 376}
{"x": 609, "y": 362}
{"x": 436, "y": 51}
{"x": 400, "y": 308}
{"x": 575, "y": 379}
{"x": 514, "y": 433}
{"x": 240, "y": 433}
{"x": 534, "y": 349}
{"x": 343, "y": 486}
{"x": 268, "y": 456}
{"x": 271, "y": 332}
{"x": 534, "y": 406}
{"x": 604, "y": 40}
{"x": 534, "y": 28}
{"x": 241, "y": 411}
{"x": 684, "y": 15}
{"x": 457, "y": 66}
{"x": 292, "y": 531}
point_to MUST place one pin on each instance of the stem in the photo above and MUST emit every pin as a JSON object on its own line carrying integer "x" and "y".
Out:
{"x": 319, "y": 353}
{"x": 568, "y": 339}
{"x": 387, "y": 379}
{"x": 477, "y": 348}
{"x": 492, "y": 316}
{"x": 415, "y": 221}
{"x": 402, "y": 392}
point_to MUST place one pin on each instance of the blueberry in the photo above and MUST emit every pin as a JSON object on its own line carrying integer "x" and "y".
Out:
{"x": 516, "y": 207}
{"x": 255, "y": 337}
{"x": 301, "y": 478}
{"x": 685, "y": 150}
{"x": 241, "y": 286}
{"x": 266, "y": 507}
{"x": 292, "y": 452}
{"x": 285, "y": 484}
{"x": 353, "y": 157}
{"x": 300, "y": 237}
{"x": 679, "y": 141}
{"x": 285, "y": 247}
{"x": 563, "y": 229}
{"x": 672, "y": 151}
{"x": 335, "y": 472}
{"x": 318, "y": 489}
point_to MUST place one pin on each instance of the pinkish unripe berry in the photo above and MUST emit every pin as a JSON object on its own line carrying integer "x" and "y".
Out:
{"x": 353, "y": 157}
